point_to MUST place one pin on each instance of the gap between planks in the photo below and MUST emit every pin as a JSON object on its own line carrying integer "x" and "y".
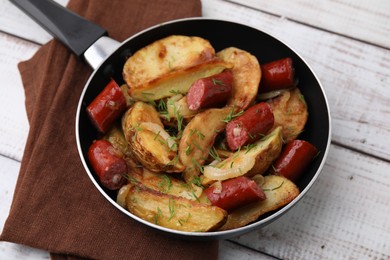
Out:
{"x": 38, "y": 44}
{"x": 306, "y": 24}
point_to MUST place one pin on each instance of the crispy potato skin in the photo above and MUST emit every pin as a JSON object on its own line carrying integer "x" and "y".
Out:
{"x": 173, "y": 212}
{"x": 148, "y": 148}
{"x": 279, "y": 192}
{"x": 177, "y": 81}
{"x": 290, "y": 112}
{"x": 198, "y": 139}
{"x": 246, "y": 76}
{"x": 165, "y": 55}
{"x": 170, "y": 64}
{"x": 167, "y": 184}
{"x": 116, "y": 137}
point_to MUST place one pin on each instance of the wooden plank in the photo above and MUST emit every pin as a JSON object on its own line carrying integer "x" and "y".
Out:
{"x": 14, "y": 124}
{"x": 354, "y": 75}
{"x": 344, "y": 215}
{"x": 233, "y": 251}
{"x": 368, "y": 21}
{"x": 13, "y": 21}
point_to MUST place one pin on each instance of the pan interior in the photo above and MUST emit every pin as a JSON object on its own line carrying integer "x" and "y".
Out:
{"x": 221, "y": 34}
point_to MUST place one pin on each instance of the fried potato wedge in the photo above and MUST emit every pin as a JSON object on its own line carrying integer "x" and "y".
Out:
{"x": 173, "y": 212}
{"x": 177, "y": 81}
{"x": 167, "y": 184}
{"x": 176, "y": 52}
{"x": 290, "y": 112}
{"x": 116, "y": 137}
{"x": 279, "y": 191}
{"x": 169, "y": 66}
{"x": 246, "y": 76}
{"x": 253, "y": 159}
{"x": 198, "y": 138}
{"x": 150, "y": 143}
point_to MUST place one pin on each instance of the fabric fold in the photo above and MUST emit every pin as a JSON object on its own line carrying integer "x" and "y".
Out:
{"x": 55, "y": 205}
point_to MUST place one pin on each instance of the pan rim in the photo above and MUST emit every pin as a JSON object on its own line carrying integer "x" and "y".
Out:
{"x": 216, "y": 234}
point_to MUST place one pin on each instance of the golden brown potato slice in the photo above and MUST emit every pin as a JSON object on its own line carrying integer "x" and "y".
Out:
{"x": 198, "y": 138}
{"x": 178, "y": 81}
{"x": 253, "y": 159}
{"x": 169, "y": 185}
{"x": 246, "y": 76}
{"x": 176, "y": 52}
{"x": 173, "y": 212}
{"x": 116, "y": 137}
{"x": 279, "y": 192}
{"x": 290, "y": 112}
{"x": 148, "y": 140}
{"x": 169, "y": 66}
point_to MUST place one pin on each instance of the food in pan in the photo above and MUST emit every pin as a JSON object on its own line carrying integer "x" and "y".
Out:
{"x": 198, "y": 140}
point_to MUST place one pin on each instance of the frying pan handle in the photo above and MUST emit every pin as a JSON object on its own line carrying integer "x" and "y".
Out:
{"x": 77, "y": 33}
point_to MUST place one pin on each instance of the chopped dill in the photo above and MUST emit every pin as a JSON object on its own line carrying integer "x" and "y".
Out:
{"x": 157, "y": 215}
{"x": 157, "y": 135}
{"x": 165, "y": 184}
{"x": 249, "y": 147}
{"x": 197, "y": 181}
{"x": 176, "y": 92}
{"x": 232, "y": 115}
{"x": 171, "y": 206}
{"x": 275, "y": 188}
{"x": 195, "y": 143}
{"x": 217, "y": 82}
{"x": 200, "y": 167}
{"x": 188, "y": 149}
{"x": 130, "y": 178}
{"x": 214, "y": 154}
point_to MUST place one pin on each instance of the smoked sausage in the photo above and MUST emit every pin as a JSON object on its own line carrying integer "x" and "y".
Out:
{"x": 279, "y": 74}
{"x": 107, "y": 164}
{"x": 250, "y": 126}
{"x": 209, "y": 92}
{"x": 107, "y": 106}
{"x": 235, "y": 193}
{"x": 294, "y": 159}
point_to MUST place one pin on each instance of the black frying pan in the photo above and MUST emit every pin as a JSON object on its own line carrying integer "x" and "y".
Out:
{"x": 107, "y": 57}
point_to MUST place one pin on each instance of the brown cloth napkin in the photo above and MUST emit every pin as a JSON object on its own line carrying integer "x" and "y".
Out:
{"x": 55, "y": 205}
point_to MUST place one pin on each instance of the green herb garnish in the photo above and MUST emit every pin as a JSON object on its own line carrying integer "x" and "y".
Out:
{"x": 232, "y": 115}
{"x": 275, "y": 188}
{"x": 213, "y": 153}
{"x": 165, "y": 184}
{"x": 217, "y": 82}
{"x": 171, "y": 206}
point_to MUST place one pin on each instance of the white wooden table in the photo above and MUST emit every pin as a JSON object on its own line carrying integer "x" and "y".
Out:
{"x": 346, "y": 213}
